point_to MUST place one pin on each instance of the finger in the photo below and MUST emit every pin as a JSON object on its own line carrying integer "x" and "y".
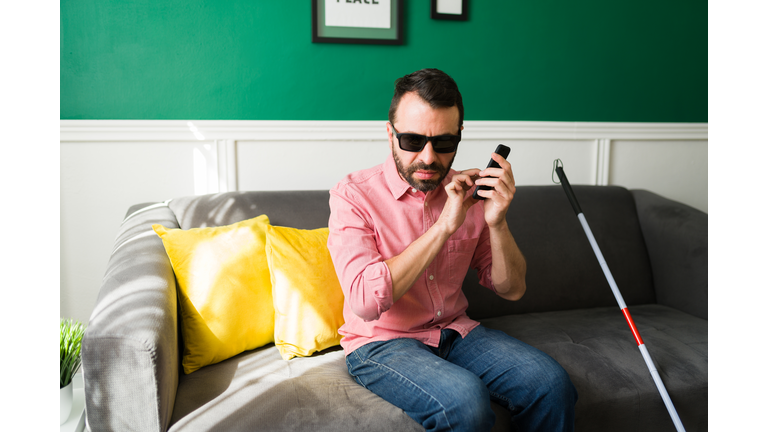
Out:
{"x": 502, "y": 161}
{"x": 499, "y": 160}
{"x": 487, "y": 194}
{"x": 506, "y": 180}
{"x": 452, "y": 186}
{"x": 503, "y": 164}
{"x": 501, "y": 191}
{"x": 473, "y": 172}
{"x": 466, "y": 177}
{"x": 511, "y": 183}
{"x": 496, "y": 172}
{"x": 465, "y": 182}
{"x": 454, "y": 190}
{"x": 506, "y": 176}
{"x": 497, "y": 183}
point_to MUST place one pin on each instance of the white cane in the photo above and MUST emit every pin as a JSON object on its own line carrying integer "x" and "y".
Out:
{"x": 646, "y": 356}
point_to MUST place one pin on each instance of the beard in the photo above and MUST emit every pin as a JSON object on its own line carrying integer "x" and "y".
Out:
{"x": 422, "y": 185}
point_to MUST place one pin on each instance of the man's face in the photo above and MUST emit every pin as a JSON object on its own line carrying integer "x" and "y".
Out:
{"x": 423, "y": 170}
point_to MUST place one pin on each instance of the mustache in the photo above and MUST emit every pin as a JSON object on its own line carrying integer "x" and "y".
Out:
{"x": 422, "y": 166}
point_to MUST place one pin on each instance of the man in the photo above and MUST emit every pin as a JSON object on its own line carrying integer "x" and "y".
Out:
{"x": 402, "y": 237}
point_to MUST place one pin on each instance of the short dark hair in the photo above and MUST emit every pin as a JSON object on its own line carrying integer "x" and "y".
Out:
{"x": 434, "y": 86}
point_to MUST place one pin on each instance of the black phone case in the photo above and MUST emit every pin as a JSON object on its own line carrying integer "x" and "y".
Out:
{"x": 502, "y": 150}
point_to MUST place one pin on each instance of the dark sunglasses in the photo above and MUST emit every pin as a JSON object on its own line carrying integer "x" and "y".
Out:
{"x": 412, "y": 142}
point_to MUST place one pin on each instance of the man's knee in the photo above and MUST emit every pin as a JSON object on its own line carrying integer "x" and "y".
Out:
{"x": 559, "y": 387}
{"x": 468, "y": 407}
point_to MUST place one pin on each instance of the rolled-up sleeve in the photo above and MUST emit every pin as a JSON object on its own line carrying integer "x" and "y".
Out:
{"x": 362, "y": 272}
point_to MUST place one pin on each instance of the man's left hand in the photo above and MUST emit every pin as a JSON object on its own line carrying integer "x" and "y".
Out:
{"x": 497, "y": 200}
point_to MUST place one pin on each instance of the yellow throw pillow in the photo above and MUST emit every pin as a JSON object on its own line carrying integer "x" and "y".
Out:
{"x": 307, "y": 296}
{"x": 224, "y": 289}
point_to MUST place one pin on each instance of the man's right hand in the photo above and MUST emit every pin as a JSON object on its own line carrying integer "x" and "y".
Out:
{"x": 459, "y": 200}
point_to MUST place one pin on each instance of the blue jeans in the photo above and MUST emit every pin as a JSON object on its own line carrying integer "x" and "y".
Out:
{"x": 451, "y": 387}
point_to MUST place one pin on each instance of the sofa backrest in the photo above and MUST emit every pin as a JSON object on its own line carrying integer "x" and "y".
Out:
{"x": 296, "y": 209}
{"x": 563, "y": 272}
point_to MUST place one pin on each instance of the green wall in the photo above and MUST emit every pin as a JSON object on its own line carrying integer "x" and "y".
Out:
{"x": 552, "y": 60}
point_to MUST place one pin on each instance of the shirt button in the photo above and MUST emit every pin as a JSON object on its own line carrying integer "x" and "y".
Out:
{"x": 431, "y": 277}
{"x": 413, "y": 190}
{"x": 439, "y": 313}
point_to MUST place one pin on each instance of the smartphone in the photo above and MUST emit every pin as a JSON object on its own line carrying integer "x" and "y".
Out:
{"x": 502, "y": 150}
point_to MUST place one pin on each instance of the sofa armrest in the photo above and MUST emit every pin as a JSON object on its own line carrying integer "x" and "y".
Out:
{"x": 677, "y": 240}
{"x": 130, "y": 353}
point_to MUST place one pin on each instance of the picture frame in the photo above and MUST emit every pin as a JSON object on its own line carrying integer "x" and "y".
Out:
{"x": 454, "y": 6}
{"x": 322, "y": 33}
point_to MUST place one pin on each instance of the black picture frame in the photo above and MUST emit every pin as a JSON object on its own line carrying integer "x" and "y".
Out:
{"x": 451, "y": 17}
{"x": 357, "y": 35}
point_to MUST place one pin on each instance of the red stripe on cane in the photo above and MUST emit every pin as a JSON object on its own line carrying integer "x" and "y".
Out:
{"x": 632, "y": 326}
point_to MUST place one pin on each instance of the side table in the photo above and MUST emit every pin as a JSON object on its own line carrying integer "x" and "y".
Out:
{"x": 76, "y": 421}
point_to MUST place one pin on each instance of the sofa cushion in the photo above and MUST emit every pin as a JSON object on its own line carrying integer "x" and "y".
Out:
{"x": 224, "y": 289}
{"x": 258, "y": 390}
{"x": 616, "y": 390}
{"x": 563, "y": 272}
{"x": 306, "y": 293}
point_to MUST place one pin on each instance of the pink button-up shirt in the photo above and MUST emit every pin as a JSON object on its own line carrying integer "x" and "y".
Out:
{"x": 375, "y": 215}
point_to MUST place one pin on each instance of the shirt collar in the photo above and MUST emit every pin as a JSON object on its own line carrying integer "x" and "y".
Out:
{"x": 396, "y": 184}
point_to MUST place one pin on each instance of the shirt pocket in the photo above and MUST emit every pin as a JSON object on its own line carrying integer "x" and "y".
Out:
{"x": 460, "y": 254}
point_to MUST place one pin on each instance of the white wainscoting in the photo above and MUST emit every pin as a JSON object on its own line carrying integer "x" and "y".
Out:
{"x": 107, "y": 166}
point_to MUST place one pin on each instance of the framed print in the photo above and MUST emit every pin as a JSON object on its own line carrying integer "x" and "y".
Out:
{"x": 455, "y": 10}
{"x": 377, "y": 22}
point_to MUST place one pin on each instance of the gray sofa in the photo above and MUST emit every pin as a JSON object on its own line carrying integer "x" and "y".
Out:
{"x": 656, "y": 249}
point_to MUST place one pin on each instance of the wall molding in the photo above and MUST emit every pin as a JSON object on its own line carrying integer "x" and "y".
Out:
{"x": 290, "y": 130}
{"x": 226, "y": 159}
{"x": 603, "y": 163}
{"x": 216, "y": 141}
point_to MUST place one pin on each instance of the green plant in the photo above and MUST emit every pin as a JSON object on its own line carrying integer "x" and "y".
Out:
{"x": 71, "y": 338}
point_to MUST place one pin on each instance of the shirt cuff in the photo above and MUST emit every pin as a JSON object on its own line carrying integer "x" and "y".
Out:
{"x": 487, "y": 281}
{"x": 379, "y": 280}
